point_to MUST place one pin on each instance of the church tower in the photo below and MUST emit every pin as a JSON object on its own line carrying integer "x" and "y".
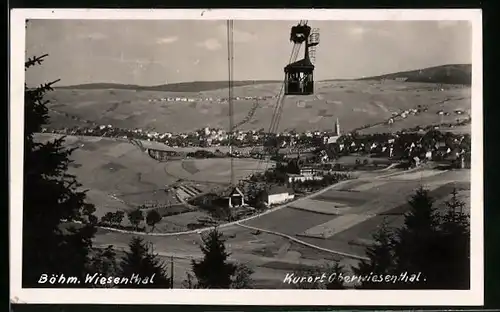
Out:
{"x": 337, "y": 128}
{"x": 336, "y": 135}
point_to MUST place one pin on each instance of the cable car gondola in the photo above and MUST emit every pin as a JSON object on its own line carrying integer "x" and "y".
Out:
{"x": 299, "y": 78}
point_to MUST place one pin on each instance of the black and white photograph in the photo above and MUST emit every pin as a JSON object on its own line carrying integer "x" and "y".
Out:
{"x": 284, "y": 156}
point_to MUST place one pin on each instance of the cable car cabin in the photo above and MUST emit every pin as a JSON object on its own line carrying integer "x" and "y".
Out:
{"x": 299, "y": 78}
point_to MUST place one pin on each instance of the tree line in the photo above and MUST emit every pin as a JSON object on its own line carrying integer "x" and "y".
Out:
{"x": 135, "y": 217}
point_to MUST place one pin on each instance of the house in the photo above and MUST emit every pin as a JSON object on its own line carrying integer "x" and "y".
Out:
{"x": 428, "y": 155}
{"x": 442, "y": 152}
{"x": 277, "y": 195}
{"x": 415, "y": 162}
{"x": 306, "y": 174}
{"x": 299, "y": 177}
{"x": 465, "y": 161}
{"x": 234, "y": 197}
{"x": 308, "y": 171}
{"x": 460, "y": 160}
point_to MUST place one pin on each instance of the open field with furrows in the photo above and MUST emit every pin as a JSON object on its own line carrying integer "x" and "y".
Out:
{"x": 322, "y": 206}
{"x": 344, "y": 218}
{"x": 288, "y": 221}
{"x": 347, "y": 233}
{"x": 362, "y": 233}
{"x": 355, "y": 103}
{"x": 118, "y": 175}
{"x": 214, "y": 170}
{"x": 270, "y": 256}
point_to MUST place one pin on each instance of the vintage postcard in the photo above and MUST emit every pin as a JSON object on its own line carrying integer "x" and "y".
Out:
{"x": 246, "y": 157}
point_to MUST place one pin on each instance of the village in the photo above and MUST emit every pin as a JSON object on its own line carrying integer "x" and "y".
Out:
{"x": 290, "y": 166}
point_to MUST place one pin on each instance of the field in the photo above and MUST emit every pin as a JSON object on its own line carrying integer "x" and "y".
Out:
{"x": 355, "y": 103}
{"x": 344, "y": 218}
{"x": 270, "y": 256}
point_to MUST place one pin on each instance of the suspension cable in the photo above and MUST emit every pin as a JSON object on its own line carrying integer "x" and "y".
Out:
{"x": 230, "y": 59}
{"x": 278, "y": 109}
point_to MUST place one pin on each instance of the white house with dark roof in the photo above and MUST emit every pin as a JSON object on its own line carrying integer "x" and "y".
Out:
{"x": 278, "y": 195}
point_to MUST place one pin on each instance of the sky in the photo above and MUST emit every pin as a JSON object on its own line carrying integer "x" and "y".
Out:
{"x": 153, "y": 52}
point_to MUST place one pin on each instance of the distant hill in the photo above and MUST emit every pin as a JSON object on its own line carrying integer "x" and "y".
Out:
{"x": 195, "y": 86}
{"x": 445, "y": 74}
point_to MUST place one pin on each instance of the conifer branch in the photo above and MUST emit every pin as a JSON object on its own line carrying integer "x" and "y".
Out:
{"x": 35, "y": 60}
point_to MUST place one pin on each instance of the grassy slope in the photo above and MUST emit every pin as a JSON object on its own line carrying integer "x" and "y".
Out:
{"x": 112, "y": 169}
{"x": 355, "y": 103}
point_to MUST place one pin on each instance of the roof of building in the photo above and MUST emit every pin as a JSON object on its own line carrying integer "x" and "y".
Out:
{"x": 257, "y": 149}
{"x": 231, "y": 191}
{"x": 301, "y": 64}
{"x": 279, "y": 189}
{"x": 308, "y": 168}
{"x": 299, "y": 155}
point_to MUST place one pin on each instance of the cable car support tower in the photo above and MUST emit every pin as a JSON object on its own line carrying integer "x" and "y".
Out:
{"x": 230, "y": 60}
{"x": 298, "y": 81}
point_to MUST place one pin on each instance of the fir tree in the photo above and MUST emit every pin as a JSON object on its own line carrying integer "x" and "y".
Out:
{"x": 380, "y": 255}
{"x": 104, "y": 261}
{"x": 52, "y": 243}
{"x": 141, "y": 260}
{"x": 418, "y": 247}
{"x": 214, "y": 271}
{"x": 336, "y": 270}
{"x": 455, "y": 230}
